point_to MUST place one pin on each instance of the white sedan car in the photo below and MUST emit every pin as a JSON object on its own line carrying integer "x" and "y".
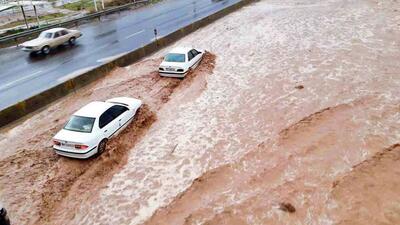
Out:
{"x": 89, "y": 129}
{"x": 50, "y": 39}
{"x": 179, "y": 61}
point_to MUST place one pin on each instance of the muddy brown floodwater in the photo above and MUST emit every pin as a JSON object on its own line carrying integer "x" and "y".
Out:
{"x": 38, "y": 185}
{"x": 299, "y": 123}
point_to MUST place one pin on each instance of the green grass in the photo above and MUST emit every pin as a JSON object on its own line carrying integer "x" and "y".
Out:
{"x": 51, "y": 16}
{"x": 89, "y": 6}
{"x": 81, "y": 5}
{"x": 32, "y": 20}
{"x": 9, "y": 32}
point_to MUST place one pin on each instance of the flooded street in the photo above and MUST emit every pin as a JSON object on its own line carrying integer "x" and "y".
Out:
{"x": 292, "y": 118}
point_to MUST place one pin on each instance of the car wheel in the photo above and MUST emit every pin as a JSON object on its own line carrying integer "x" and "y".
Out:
{"x": 102, "y": 146}
{"x": 46, "y": 50}
{"x": 32, "y": 54}
{"x": 72, "y": 41}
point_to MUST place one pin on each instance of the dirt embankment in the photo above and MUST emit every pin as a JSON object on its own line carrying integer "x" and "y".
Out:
{"x": 40, "y": 187}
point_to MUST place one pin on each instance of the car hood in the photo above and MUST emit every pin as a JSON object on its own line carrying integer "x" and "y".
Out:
{"x": 73, "y": 136}
{"x": 172, "y": 64}
{"x": 35, "y": 42}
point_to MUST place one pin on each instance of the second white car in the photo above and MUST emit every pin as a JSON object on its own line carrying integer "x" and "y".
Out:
{"x": 50, "y": 39}
{"x": 89, "y": 129}
{"x": 179, "y": 61}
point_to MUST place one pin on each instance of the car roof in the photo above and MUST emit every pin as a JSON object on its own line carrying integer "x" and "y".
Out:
{"x": 181, "y": 50}
{"x": 55, "y": 29}
{"x": 94, "y": 109}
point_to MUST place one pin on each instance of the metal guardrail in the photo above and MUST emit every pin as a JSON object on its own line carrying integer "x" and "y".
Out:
{"x": 15, "y": 37}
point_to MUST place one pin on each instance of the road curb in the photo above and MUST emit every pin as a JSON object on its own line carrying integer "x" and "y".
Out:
{"x": 34, "y": 103}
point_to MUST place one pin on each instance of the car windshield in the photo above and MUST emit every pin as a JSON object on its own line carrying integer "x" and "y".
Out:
{"x": 80, "y": 124}
{"x": 45, "y": 35}
{"x": 174, "y": 57}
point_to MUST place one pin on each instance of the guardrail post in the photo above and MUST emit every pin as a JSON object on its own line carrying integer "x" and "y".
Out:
{"x": 23, "y": 13}
{"x": 155, "y": 36}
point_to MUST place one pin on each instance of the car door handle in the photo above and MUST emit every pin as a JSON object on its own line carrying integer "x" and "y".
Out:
{"x": 105, "y": 131}
{"x": 119, "y": 120}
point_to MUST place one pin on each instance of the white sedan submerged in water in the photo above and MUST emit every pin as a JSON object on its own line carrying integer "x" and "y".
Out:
{"x": 50, "y": 39}
{"x": 89, "y": 129}
{"x": 179, "y": 61}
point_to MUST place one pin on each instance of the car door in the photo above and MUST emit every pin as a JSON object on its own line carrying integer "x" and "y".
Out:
{"x": 65, "y": 36}
{"x": 57, "y": 39}
{"x": 107, "y": 124}
{"x": 190, "y": 58}
{"x": 197, "y": 57}
{"x": 50, "y": 41}
{"x": 122, "y": 115}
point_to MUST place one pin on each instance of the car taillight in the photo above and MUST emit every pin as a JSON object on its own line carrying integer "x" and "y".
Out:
{"x": 82, "y": 147}
{"x": 56, "y": 142}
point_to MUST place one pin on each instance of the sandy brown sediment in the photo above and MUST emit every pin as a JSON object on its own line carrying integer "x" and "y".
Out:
{"x": 369, "y": 194}
{"x": 296, "y": 171}
{"x": 344, "y": 53}
{"x": 43, "y": 188}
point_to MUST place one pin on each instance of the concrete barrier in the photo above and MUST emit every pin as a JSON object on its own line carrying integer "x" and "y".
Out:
{"x": 39, "y": 101}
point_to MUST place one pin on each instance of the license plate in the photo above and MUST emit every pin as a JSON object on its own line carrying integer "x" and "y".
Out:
{"x": 67, "y": 145}
{"x": 170, "y": 69}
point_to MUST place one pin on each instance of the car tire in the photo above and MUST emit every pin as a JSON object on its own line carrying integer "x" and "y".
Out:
{"x": 32, "y": 54}
{"x": 102, "y": 146}
{"x": 72, "y": 41}
{"x": 45, "y": 50}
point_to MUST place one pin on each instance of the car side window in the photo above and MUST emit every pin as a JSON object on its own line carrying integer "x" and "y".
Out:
{"x": 190, "y": 55}
{"x": 64, "y": 32}
{"x": 57, "y": 34}
{"x": 105, "y": 119}
{"x": 195, "y": 52}
{"x": 117, "y": 110}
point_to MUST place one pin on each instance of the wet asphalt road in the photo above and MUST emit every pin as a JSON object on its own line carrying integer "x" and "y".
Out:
{"x": 22, "y": 75}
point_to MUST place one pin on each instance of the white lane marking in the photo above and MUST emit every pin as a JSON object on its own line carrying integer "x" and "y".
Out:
{"x": 134, "y": 34}
{"x": 75, "y": 74}
{"x": 20, "y": 80}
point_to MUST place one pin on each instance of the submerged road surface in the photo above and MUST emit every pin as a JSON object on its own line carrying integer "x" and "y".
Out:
{"x": 22, "y": 76}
